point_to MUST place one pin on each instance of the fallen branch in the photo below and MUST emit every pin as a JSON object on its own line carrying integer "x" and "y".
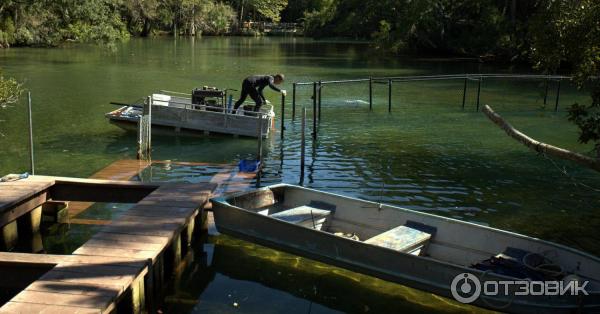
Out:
{"x": 538, "y": 146}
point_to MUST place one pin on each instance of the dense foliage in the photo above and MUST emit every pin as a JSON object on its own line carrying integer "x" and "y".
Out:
{"x": 566, "y": 35}
{"x": 10, "y": 90}
{"x": 51, "y": 22}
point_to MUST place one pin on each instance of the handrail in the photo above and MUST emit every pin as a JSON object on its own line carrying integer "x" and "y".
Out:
{"x": 225, "y": 110}
{"x": 474, "y": 76}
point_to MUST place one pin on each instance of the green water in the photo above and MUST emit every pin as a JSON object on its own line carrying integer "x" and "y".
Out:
{"x": 428, "y": 154}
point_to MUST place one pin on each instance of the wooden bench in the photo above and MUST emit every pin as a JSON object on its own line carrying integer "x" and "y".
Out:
{"x": 410, "y": 238}
{"x": 305, "y": 216}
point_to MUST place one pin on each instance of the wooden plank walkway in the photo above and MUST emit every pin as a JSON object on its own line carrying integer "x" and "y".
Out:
{"x": 125, "y": 263}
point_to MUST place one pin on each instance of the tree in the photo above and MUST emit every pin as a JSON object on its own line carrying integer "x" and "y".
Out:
{"x": 565, "y": 36}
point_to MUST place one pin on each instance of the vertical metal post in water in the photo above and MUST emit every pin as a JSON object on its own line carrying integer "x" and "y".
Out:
{"x": 464, "y": 93}
{"x": 370, "y": 93}
{"x": 320, "y": 87}
{"x": 30, "y": 133}
{"x": 478, "y": 92}
{"x": 293, "y": 101}
{"x": 282, "y": 114}
{"x": 302, "y": 146}
{"x": 390, "y": 95}
{"x": 314, "y": 133}
{"x": 546, "y": 92}
{"x": 259, "y": 153}
{"x": 557, "y": 96}
{"x": 149, "y": 126}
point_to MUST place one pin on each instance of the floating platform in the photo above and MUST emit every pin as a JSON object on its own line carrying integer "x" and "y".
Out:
{"x": 176, "y": 112}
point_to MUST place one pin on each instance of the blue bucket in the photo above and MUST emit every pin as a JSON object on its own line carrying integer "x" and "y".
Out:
{"x": 249, "y": 165}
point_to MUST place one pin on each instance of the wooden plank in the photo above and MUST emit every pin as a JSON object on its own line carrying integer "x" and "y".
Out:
{"x": 52, "y": 259}
{"x": 130, "y": 237}
{"x": 72, "y": 288}
{"x": 99, "y": 251}
{"x": 32, "y": 308}
{"x": 11, "y": 211}
{"x": 116, "y": 282}
{"x": 154, "y": 219}
{"x": 31, "y": 259}
{"x": 161, "y": 210}
{"x": 163, "y": 203}
{"x": 123, "y": 228}
{"x": 80, "y": 221}
{"x": 99, "y": 269}
{"x": 124, "y": 244}
{"x": 99, "y": 301}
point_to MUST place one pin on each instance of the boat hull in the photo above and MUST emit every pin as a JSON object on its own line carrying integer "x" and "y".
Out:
{"x": 186, "y": 120}
{"x": 418, "y": 272}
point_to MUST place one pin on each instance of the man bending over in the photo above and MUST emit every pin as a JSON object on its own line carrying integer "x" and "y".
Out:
{"x": 254, "y": 85}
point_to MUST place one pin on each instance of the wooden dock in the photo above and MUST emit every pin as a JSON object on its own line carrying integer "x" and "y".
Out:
{"x": 123, "y": 267}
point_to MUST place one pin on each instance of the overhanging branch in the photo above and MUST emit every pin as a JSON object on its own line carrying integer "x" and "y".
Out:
{"x": 538, "y": 146}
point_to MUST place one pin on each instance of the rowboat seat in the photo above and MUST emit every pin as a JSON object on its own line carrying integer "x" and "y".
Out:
{"x": 305, "y": 216}
{"x": 411, "y": 238}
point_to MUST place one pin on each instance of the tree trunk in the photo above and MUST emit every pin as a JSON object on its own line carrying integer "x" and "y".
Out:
{"x": 146, "y": 28}
{"x": 539, "y": 146}
{"x": 193, "y": 22}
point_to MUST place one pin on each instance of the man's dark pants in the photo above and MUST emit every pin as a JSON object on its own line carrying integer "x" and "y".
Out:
{"x": 248, "y": 90}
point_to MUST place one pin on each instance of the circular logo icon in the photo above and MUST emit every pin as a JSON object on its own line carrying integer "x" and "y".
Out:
{"x": 465, "y": 288}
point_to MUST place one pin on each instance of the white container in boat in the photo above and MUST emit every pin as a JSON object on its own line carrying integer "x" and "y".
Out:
{"x": 160, "y": 99}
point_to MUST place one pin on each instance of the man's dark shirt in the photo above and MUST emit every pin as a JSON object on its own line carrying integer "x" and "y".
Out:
{"x": 260, "y": 82}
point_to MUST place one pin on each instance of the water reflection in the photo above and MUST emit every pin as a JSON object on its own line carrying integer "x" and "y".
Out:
{"x": 224, "y": 275}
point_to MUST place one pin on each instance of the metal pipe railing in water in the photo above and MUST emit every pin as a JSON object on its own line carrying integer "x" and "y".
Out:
{"x": 478, "y": 92}
{"x": 389, "y": 95}
{"x": 370, "y": 94}
{"x": 557, "y": 96}
{"x": 293, "y": 101}
{"x": 464, "y": 93}
{"x": 282, "y": 114}
{"x": 260, "y": 149}
{"x": 31, "y": 160}
{"x": 302, "y": 146}
{"x": 314, "y": 133}
{"x": 546, "y": 92}
{"x": 319, "y": 97}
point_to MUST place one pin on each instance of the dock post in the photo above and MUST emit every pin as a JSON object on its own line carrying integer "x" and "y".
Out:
{"x": 9, "y": 236}
{"x": 389, "y": 95}
{"x": 302, "y": 146}
{"x": 320, "y": 87}
{"x": 546, "y": 92}
{"x": 557, "y": 96}
{"x": 370, "y": 93}
{"x": 464, "y": 93}
{"x": 29, "y": 224}
{"x": 314, "y": 133}
{"x": 478, "y": 92}
{"x": 293, "y": 101}
{"x": 259, "y": 153}
{"x": 282, "y": 114}
{"x": 30, "y": 133}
